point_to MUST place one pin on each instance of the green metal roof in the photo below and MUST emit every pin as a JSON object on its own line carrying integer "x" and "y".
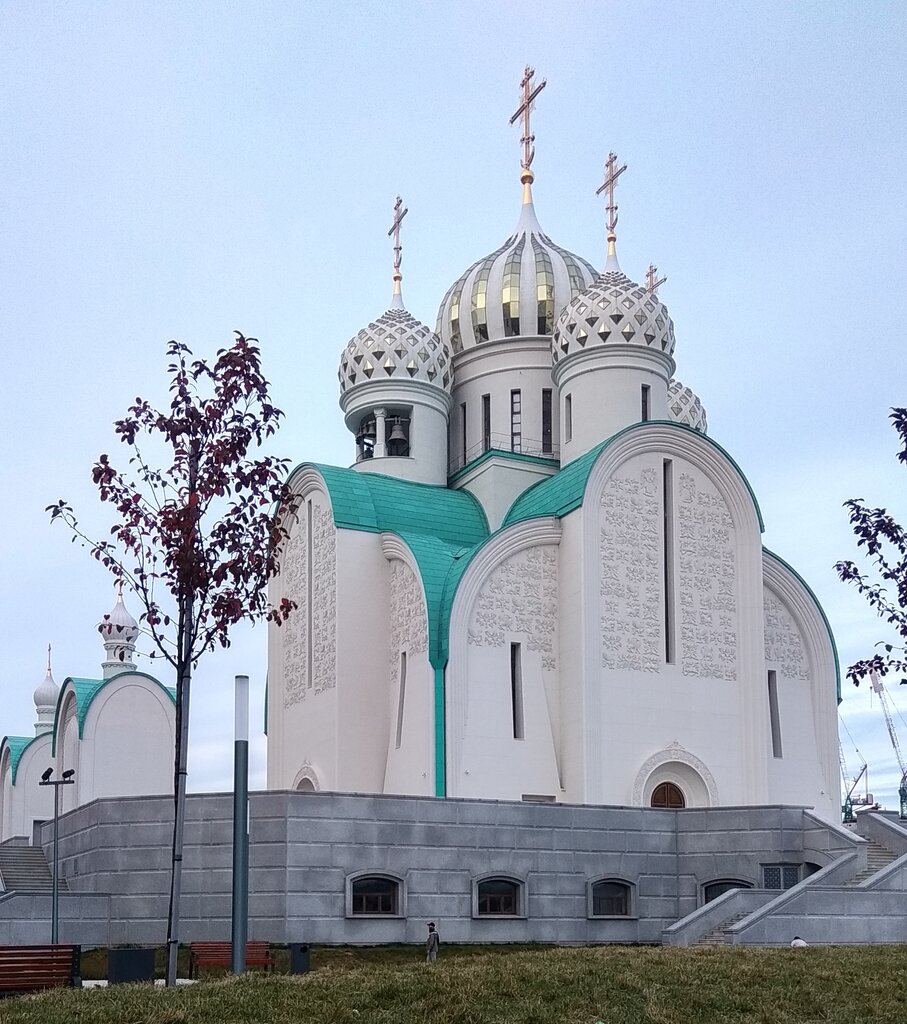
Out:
{"x": 377, "y": 504}
{"x": 87, "y": 689}
{"x": 17, "y": 746}
{"x": 564, "y": 492}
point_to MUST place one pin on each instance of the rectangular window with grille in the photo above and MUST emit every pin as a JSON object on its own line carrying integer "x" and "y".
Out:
{"x": 516, "y": 421}
{"x": 568, "y": 418}
{"x": 486, "y": 422}
{"x": 546, "y": 421}
{"x": 780, "y": 876}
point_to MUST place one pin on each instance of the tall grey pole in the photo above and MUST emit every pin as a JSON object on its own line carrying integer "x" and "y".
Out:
{"x": 241, "y": 825}
{"x": 55, "y": 899}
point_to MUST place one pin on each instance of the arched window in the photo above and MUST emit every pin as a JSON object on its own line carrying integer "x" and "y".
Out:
{"x": 498, "y": 897}
{"x": 305, "y": 786}
{"x": 666, "y": 794}
{"x": 610, "y": 897}
{"x": 374, "y": 896}
{"x": 712, "y": 890}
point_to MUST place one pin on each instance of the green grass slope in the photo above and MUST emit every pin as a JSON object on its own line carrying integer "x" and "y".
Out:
{"x": 844, "y": 985}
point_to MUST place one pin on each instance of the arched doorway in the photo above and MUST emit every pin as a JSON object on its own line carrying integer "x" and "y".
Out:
{"x": 666, "y": 794}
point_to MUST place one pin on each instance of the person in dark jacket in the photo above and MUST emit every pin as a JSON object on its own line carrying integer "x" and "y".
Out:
{"x": 432, "y": 943}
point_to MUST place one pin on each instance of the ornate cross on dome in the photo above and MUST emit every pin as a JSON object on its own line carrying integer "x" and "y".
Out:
{"x": 524, "y": 110}
{"x": 653, "y": 281}
{"x": 48, "y": 659}
{"x": 611, "y": 176}
{"x": 399, "y": 214}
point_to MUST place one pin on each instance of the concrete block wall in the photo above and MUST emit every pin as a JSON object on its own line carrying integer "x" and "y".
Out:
{"x": 304, "y": 846}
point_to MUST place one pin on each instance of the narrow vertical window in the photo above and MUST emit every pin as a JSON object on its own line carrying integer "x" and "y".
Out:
{"x": 516, "y": 421}
{"x": 310, "y": 592}
{"x": 568, "y": 418}
{"x": 401, "y": 697}
{"x": 486, "y": 422}
{"x": 668, "y": 545}
{"x": 644, "y": 403}
{"x": 774, "y": 714}
{"x": 516, "y": 690}
{"x": 463, "y": 430}
{"x": 546, "y": 421}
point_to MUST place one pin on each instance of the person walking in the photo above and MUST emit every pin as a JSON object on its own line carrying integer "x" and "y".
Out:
{"x": 431, "y": 944}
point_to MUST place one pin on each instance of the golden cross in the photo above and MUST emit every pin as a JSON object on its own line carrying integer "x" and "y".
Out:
{"x": 524, "y": 110}
{"x": 653, "y": 281}
{"x": 611, "y": 176}
{"x": 395, "y": 231}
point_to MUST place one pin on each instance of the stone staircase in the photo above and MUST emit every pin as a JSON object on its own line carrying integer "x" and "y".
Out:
{"x": 718, "y": 936}
{"x": 24, "y": 869}
{"x": 877, "y": 857}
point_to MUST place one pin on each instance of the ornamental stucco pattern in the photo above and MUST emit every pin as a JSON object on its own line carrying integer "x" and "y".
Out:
{"x": 631, "y": 573}
{"x": 520, "y": 597}
{"x": 707, "y": 581}
{"x": 409, "y": 623}
{"x": 319, "y": 620}
{"x": 783, "y": 643}
{"x": 324, "y": 600}
{"x": 294, "y": 632}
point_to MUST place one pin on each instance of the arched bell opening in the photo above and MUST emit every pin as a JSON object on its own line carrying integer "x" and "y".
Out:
{"x": 384, "y": 433}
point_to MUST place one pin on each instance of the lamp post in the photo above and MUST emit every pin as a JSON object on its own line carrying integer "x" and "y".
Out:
{"x": 65, "y": 780}
{"x": 240, "y": 825}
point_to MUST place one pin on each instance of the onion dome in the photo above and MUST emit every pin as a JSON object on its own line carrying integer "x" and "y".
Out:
{"x": 396, "y": 346}
{"x": 119, "y": 632}
{"x": 685, "y": 407}
{"x": 613, "y": 311}
{"x": 516, "y": 291}
{"x": 46, "y": 694}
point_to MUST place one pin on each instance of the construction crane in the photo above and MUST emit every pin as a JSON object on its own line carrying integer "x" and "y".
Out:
{"x": 849, "y": 781}
{"x": 879, "y": 688}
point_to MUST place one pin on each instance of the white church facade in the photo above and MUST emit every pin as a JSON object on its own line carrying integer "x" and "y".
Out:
{"x": 114, "y": 733}
{"x": 541, "y": 579}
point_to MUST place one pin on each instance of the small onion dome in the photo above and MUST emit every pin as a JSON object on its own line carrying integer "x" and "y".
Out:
{"x": 46, "y": 694}
{"x": 613, "y": 311}
{"x": 398, "y": 347}
{"x": 518, "y": 290}
{"x": 119, "y": 625}
{"x": 685, "y": 407}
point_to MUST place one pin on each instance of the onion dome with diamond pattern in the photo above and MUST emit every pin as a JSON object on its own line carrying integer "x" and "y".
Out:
{"x": 613, "y": 311}
{"x": 685, "y": 407}
{"x": 395, "y": 347}
{"x": 516, "y": 291}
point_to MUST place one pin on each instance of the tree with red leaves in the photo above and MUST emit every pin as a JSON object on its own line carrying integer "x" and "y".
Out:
{"x": 885, "y": 588}
{"x": 199, "y": 540}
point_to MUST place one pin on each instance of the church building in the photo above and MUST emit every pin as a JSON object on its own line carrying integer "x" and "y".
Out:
{"x": 540, "y": 578}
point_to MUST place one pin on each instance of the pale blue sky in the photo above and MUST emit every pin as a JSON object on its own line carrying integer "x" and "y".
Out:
{"x": 181, "y": 170}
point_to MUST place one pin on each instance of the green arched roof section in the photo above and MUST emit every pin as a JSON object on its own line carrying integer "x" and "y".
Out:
{"x": 87, "y": 689}
{"x": 820, "y": 609}
{"x": 17, "y": 745}
{"x": 377, "y": 504}
{"x": 563, "y": 492}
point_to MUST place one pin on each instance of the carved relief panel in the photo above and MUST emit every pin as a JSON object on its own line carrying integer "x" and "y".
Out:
{"x": 631, "y": 578}
{"x": 520, "y": 597}
{"x": 783, "y": 643}
{"x": 309, "y": 636}
{"x": 707, "y": 581}
{"x": 409, "y": 623}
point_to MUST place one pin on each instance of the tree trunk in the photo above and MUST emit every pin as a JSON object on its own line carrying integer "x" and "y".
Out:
{"x": 179, "y": 791}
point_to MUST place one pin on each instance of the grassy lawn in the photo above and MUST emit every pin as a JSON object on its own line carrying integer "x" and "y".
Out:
{"x": 545, "y": 985}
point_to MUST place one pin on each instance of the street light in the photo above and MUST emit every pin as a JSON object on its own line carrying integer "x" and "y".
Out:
{"x": 66, "y": 780}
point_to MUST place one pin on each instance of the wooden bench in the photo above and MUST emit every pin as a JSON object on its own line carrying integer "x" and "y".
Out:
{"x": 220, "y": 954}
{"x": 30, "y": 968}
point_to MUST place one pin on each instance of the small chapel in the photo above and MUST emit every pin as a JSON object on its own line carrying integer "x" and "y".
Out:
{"x": 540, "y": 578}
{"x": 113, "y": 735}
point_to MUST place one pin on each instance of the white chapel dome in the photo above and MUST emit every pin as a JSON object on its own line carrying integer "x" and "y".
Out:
{"x": 46, "y": 694}
{"x": 518, "y": 290}
{"x": 119, "y": 625}
{"x": 685, "y": 407}
{"x": 396, "y": 346}
{"x": 613, "y": 311}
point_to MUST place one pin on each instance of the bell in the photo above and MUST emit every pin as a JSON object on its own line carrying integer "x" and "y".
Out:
{"x": 367, "y": 431}
{"x": 397, "y": 433}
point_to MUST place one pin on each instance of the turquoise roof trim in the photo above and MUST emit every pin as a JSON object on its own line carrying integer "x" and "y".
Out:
{"x": 564, "y": 492}
{"x": 87, "y": 689}
{"x": 376, "y": 503}
{"x": 17, "y": 746}
{"x": 821, "y": 610}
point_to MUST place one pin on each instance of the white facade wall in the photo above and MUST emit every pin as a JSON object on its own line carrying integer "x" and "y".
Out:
{"x": 498, "y": 480}
{"x": 26, "y": 802}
